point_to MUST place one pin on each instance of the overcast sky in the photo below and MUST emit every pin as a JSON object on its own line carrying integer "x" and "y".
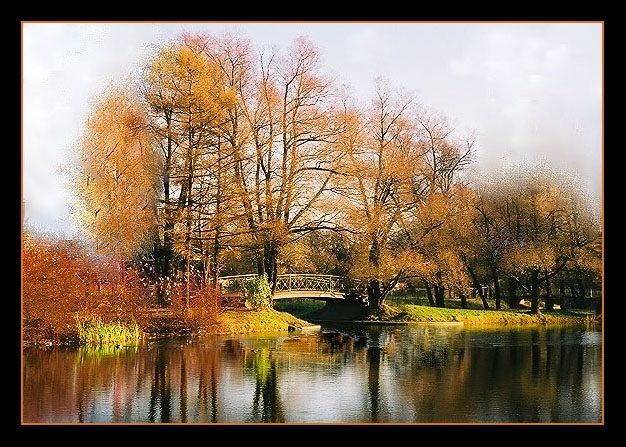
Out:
{"x": 530, "y": 92}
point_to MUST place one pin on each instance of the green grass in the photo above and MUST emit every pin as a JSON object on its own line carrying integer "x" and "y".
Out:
{"x": 300, "y": 307}
{"x": 455, "y": 303}
{"x": 251, "y": 321}
{"x": 95, "y": 332}
{"x": 168, "y": 322}
{"x": 417, "y": 309}
{"x": 408, "y": 312}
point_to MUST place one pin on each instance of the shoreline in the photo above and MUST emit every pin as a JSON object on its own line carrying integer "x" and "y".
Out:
{"x": 246, "y": 321}
{"x": 410, "y": 314}
{"x": 176, "y": 324}
{"x": 389, "y": 322}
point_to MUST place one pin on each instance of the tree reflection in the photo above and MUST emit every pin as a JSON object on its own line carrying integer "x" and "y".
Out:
{"x": 266, "y": 403}
{"x": 373, "y": 381}
{"x": 513, "y": 376}
{"x": 160, "y": 392}
{"x": 425, "y": 374}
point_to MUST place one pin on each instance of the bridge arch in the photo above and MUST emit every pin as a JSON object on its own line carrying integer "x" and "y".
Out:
{"x": 294, "y": 285}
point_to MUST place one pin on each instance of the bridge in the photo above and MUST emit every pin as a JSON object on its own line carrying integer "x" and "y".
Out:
{"x": 295, "y": 285}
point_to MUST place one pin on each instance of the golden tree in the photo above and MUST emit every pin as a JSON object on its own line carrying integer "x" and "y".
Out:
{"x": 115, "y": 178}
{"x": 186, "y": 95}
{"x": 280, "y": 135}
{"x": 400, "y": 168}
{"x": 540, "y": 213}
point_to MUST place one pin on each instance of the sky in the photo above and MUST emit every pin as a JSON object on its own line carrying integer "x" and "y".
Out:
{"x": 530, "y": 93}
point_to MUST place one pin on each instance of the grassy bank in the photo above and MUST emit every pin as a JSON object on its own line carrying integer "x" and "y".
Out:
{"x": 172, "y": 322}
{"x": 168, "y": 323}
{"x": 452, "y": 303}
{"x": 249, "y": 321}
{"x": 413, "y": 313}
{"x": 404, "y": 310}
{"x": 164, "y": 322}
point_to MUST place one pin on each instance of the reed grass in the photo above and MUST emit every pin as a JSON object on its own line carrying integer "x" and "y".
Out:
{"x": 95, "y": 332}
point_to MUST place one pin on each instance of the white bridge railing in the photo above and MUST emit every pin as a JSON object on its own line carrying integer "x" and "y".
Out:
{"x": 289, "y": 282}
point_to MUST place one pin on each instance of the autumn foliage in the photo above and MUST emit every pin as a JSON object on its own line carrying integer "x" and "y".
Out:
{"x": 63, "y": 281}
{"x": 225, "y": 158}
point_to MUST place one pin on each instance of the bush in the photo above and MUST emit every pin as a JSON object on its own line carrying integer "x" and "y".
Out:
{"x": 61, "y": 278}
{"x": 258, "y": 292}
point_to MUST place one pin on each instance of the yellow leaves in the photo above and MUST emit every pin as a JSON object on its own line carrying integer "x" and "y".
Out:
{"x": 412, "y": 261}
{"x": 531, "y": 257}
{"x": 400, "y": 170}
{"x": 255, "y": 143}
{"x": 183, "y": 80}
{"x": 296, "y": 257}
{"x": 116, "y": 181}
{"x": 229, "y": 97}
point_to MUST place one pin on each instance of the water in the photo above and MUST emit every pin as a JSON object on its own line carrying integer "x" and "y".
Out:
{"x": 344, "y": 374}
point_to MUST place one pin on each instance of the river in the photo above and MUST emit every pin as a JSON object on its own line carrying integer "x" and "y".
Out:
{"x": 343, "y": 374}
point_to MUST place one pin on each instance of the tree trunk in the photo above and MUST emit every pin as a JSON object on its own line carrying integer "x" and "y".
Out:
{"x": 439, "y": 292}
{"x": 478, "y": 287}
{"x": 496, "y": 287}
{"x": 157, "y": 253}
{"x": 581, "y": 287}
{"x": 463, "y": 300}
{"x": 562, "y": 296}
{"x": 549, "y": 300}
{"x": 534, "y": 292}
{"x": 482, "y": 298}
{"x": 167, "y": 249}
{"x": 188, "y": 277}
{"x": 374, "y": 294}
{"x": 189, "y": 204}
{"x": 429, "y": 294}
{"x": 269, "y": 263}
{"x": 440, "y": 296}
{"x": 187, "y": 298}
{"x": 214, "y": 264}
{"x": 512, "y": 299}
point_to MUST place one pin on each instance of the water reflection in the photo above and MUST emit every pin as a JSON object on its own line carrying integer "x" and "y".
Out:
{"x": 266, "y": 404}
{"x": 373, "y": 383}
{"x": 347, "y": 374}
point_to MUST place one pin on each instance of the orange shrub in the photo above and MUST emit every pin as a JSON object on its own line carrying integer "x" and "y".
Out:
{"x": 204, "y": 305}
{"x": 62, "y": 279}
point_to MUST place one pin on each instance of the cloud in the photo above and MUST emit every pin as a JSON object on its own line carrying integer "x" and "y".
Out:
{"x": 536, "y": 94}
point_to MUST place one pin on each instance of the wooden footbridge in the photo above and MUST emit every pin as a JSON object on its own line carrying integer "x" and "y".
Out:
{"x": 312, "y": 286}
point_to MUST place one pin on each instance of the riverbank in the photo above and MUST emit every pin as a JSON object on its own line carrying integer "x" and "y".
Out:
{"x": 395, "y": 313}
{"x": 249, "y": 321}
{"x": 228, "y": 322}
{"x": 426, "y": 314}
{"x": 165, "y": 323}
